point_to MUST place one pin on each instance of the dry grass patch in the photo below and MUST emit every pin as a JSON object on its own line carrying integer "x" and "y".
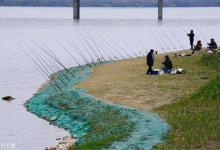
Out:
{"x": 124, "y": 82}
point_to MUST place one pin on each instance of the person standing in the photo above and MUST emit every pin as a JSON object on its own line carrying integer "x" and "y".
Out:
{"x": 191, "y": 38}
{"x": 150, "y": 62}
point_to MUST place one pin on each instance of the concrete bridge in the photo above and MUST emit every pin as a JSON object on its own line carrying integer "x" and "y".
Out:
{"x": 76, "y": 9}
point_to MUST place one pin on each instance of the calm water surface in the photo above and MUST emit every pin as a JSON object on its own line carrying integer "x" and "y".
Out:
{"x": 134, "y": 30}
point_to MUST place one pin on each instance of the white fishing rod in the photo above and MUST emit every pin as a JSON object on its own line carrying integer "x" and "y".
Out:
{"x": 43, "y": 72}
{"x": 50, "y": 53}
{"x": 98, "y": 59}
{"x": 177, "y": 39}
{"x": 158, "y": 41}
{"x": 171, "y": 41}
{"x": 70, "y": 54}
{"x": 99, "y": 51}
{"x": 76, "y": 48}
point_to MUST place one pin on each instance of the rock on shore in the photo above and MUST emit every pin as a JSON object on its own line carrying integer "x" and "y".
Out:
{"x": 64, "y": 144}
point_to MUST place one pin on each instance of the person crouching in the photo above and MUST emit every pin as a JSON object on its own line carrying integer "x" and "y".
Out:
{"x": 168, "y": 65}
{"x": 198, "y": 47}
{"x": 212, "y": 45}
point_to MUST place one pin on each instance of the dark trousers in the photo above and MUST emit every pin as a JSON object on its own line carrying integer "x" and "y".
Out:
{"x": 191, "y": 44}
{"x": 150, "y": 70}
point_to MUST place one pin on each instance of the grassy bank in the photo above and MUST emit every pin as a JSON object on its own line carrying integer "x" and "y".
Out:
{"x": 195, "y": 119}
{"x": 124, "y": 82}
{"x": 103, "y": 128}
{"x": 194, "y": 112}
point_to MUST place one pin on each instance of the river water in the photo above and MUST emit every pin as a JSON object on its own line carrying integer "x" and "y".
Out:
{"x": 134, "y": 30}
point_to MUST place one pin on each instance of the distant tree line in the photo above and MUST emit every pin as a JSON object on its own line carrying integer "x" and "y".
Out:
{"x": 109, "y": 3}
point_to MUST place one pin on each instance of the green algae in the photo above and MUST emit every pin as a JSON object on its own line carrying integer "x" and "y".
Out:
{"x": 96, "y": 124}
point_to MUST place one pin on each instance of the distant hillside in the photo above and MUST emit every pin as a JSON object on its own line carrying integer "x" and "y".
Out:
{"x": 109, "y": 3}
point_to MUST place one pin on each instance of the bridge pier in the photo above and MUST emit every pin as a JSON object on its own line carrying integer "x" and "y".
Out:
{"x": 160, "y": 9}
{"x": 76, "y": 9}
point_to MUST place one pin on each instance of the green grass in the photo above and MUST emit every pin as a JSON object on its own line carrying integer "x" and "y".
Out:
{"x": 212, "y": 60}
{"x": 112, "y": 127}
{"x": 106, "y": 123}
{"x": 195, "y": 119}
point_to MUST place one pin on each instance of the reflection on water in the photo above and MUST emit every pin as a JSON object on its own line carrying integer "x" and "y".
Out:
{"x": 134, "y": 30}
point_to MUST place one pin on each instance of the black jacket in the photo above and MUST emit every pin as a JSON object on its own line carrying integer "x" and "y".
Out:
{"x": 150, "y": 59}
{"x": 191, "y": 36}
{"x": 168, "y": 63}
{"x": 213, "y": 45}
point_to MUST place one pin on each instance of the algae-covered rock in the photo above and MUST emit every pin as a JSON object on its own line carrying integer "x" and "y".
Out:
{"x": 53, "y": 118}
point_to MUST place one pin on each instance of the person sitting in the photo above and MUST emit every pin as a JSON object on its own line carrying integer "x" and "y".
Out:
{"x": 198, "y": 47}
{"x": 212, "y": 45}
{"x": 168, "y": 65}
